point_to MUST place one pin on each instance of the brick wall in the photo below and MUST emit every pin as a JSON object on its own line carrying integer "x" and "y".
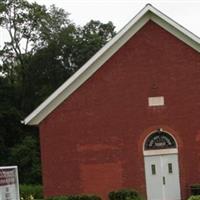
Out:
{"x": 92, "y": 143}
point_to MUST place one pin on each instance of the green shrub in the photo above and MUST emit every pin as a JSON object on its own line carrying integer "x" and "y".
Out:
{"x": 28, "y": 192}
{"x": 58, "y": 198}
{"x": 75, "y": 197}
{"x": 195, "y": 189}
{"x": 124, "y": 194}
{"x": 88, "y": 197}
{"x": 196, "y": 197}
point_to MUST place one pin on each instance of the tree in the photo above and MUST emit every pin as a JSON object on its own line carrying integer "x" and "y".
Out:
{"x": 22, "y": 22}
{"x": 30, "y": 27}
{"x": 26, "y": 156}
{"x": 64, "y": 55}
{"x": 90, "y": 38}
{"x": 10, "y": 130}
{"x": 45, "y": 48}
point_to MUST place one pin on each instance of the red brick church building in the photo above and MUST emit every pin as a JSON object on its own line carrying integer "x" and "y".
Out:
{"x": 129, "y": 118}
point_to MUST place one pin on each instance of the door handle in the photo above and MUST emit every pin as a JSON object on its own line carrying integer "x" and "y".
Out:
{"x": 164, "y": 180}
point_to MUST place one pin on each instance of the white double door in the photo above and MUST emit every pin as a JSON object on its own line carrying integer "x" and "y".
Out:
{"x": 162, "y": 177}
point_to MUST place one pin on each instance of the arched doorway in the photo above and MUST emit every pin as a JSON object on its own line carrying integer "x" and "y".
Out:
{"x": 161, "y": 166}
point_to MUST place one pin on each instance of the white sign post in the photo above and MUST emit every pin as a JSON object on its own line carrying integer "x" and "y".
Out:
{"x": 9, "y": 184}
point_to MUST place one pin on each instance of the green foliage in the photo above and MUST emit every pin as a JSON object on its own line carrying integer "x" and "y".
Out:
{"x": 84, "y": 197}
{"x": 90, "y": 38}
{"x": 194, "y": 197}
{"x": 124, "y": 194}
{"x": 50, "y": 66}
{"x": 75, "y": 197}
{"x": 58, "y": 198}
{"x": 195, "y": 185}
{"x": 43, "y": 50}
{"x": 26, "y": 155}
{"x": 28, "y": 192}
{"x": 30, "y": 27}
{"x": 195, "y": 189}
{"x": 11, "y": 129}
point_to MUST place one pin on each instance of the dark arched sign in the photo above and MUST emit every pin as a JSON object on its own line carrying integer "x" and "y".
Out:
{"x": 159, "y": 140}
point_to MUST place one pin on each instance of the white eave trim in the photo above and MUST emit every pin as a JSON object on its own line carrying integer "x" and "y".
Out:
{"x": 174, "y": 24}
{"x": 90, "y": 67}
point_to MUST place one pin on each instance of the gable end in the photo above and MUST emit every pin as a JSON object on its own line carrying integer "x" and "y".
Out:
{"x": 90, "y": 67}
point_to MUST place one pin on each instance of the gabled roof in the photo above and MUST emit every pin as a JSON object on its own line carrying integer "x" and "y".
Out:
{"x": 91, "y": 66}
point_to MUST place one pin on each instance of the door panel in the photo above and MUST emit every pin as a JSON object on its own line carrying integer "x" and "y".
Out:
{"x": 171, "y": 174}
{"x": 153, "y": 180}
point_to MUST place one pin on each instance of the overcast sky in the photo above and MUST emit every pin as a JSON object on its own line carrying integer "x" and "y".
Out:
{"x": 185, "y": 12}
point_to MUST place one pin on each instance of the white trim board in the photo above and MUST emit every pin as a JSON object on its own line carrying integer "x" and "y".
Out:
{"x": 90, "y": 67}
{"x": 160, "y": 152}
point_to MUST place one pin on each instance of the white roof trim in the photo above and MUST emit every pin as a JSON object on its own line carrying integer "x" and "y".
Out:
{"x": 90, "y": 67}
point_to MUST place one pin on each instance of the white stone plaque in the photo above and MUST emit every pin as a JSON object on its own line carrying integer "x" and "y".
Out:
{"x": 156, "y": 101}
